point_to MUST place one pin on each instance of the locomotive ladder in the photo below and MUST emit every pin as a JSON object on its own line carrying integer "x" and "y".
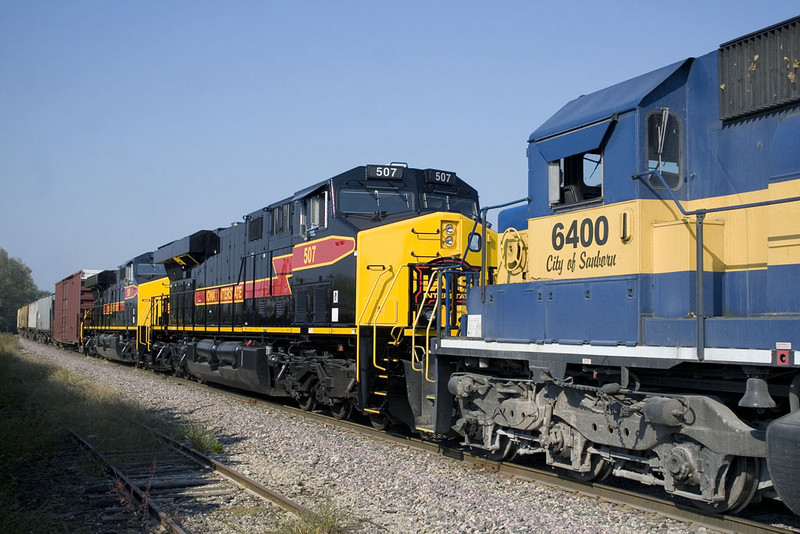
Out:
{"x": 418, "y": 373}
{"x": 425, "y": 419}
{"x": 379, "y": 386}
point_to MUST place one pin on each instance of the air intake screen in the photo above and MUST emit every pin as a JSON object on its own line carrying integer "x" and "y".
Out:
{"x": 760, "y": 71}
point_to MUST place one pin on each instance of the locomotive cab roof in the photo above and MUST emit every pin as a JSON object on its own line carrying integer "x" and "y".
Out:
{"x": 598, "y": 108}
{"x": 432, "y": 190}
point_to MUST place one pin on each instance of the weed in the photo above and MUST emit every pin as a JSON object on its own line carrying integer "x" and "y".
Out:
{"x": 200, "y": 438}
{"x": 140, "y": 510}
{"x": 327, "y": 520}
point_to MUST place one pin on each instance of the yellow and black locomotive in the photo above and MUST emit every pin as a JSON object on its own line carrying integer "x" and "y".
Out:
{"x": 328, "y": 297}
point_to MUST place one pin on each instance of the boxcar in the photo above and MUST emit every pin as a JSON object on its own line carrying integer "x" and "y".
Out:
{"x": 71, "y": 307}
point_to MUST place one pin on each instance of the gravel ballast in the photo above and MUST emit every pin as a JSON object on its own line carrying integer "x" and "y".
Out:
{"x": 379, "y": 486}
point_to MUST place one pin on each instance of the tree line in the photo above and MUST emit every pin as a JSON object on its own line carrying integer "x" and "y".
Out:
{"x": 16, "y": 289}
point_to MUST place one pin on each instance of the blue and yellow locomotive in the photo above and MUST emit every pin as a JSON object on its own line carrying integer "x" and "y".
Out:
{"x": 657, "y": 261}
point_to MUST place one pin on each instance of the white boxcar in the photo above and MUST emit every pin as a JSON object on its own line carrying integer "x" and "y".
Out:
{"x": 44, "y": 316}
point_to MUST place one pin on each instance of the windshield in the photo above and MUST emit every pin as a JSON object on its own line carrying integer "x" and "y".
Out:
{"x": 464, "y": 206}
{"x": 150, "y": 269}
{"x": 375, "y": 201}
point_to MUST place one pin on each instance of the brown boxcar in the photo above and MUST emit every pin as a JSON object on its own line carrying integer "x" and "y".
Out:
{"x": 72, "y": 306}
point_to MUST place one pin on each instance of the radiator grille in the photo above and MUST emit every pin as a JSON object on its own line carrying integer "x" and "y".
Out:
{"x": 760, "y": 72}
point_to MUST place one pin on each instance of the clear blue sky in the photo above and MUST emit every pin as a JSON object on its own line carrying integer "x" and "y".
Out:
{"x": 127, "y": 124}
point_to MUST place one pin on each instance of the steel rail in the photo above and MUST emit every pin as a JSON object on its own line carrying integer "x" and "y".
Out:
{"x": 134, "y": 489}
{"x": 639, "y": 501}
{"x": 236, "y": 477}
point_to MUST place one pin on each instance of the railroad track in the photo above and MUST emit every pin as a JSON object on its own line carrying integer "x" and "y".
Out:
{"x": 151, "y": 492}
{"x": 779, "y": 523}
{"x": 100, "y": 509}
{"x": 770, "y": 521}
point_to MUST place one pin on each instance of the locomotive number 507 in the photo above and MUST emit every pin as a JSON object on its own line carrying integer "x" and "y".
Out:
{"x": 586, "y": 233}
{"x": 309, "y": 253}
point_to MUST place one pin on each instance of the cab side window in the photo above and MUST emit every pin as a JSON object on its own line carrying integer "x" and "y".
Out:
{"x": 576, "y": 178}
{"x": 664, "y": 148}
{"x": 313, "y": 214}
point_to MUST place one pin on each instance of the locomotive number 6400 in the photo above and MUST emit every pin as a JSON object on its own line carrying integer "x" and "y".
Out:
{"x": 587, "y": 232}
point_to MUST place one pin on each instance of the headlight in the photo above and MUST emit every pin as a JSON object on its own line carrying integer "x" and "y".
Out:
{"x": 449, "y": 229}
{"x": 448, "y": 241}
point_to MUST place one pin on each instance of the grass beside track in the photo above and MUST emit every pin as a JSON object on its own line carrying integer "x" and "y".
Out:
{"x": 38, "y": 402}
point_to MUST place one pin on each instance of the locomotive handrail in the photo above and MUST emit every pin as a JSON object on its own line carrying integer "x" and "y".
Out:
{"x": 700, "y": 215}
{"x": 435, "y": 315}
{"x": 417, "y": 232}
{"x": 482, "y": 217}
{"x": 433, "y": 277}
{"x": 658, "y": 175}
{"x": 378, "y": 312}
{"x": 383, "y": 271}
{"x": 451, "y": 277}
{"x": 148, "y": 318}
{"x": 373, "y": 317}
{"x": 415, "y": 255}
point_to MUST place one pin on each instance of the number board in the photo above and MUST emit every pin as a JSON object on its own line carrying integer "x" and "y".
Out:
{"x": 384, "y": 172}
{"x": 433, "y": 176}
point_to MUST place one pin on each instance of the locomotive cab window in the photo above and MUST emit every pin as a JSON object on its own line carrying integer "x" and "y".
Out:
{"x": 375, "y": 202}
{"x": 577, "y": 178}
{"x": 442, "y": 202}
{"x": 149, "y": 271}
{"x": 313, "y": 213}
{"x": 664, "y": 148}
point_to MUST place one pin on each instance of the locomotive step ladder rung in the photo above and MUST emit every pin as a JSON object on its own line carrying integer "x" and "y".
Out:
{"x": 425, "y": 406}
{"x": 379, "y": 391}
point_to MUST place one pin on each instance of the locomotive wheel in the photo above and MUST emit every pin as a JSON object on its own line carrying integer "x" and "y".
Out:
{"x": 379, "y": 421}
{"x": 599, "y": 471}
{"x": 741, "y": 483}
{"x": 506, "y": 452}
{"x": 342, "y": 410}
{"x": 307, "y": 402}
